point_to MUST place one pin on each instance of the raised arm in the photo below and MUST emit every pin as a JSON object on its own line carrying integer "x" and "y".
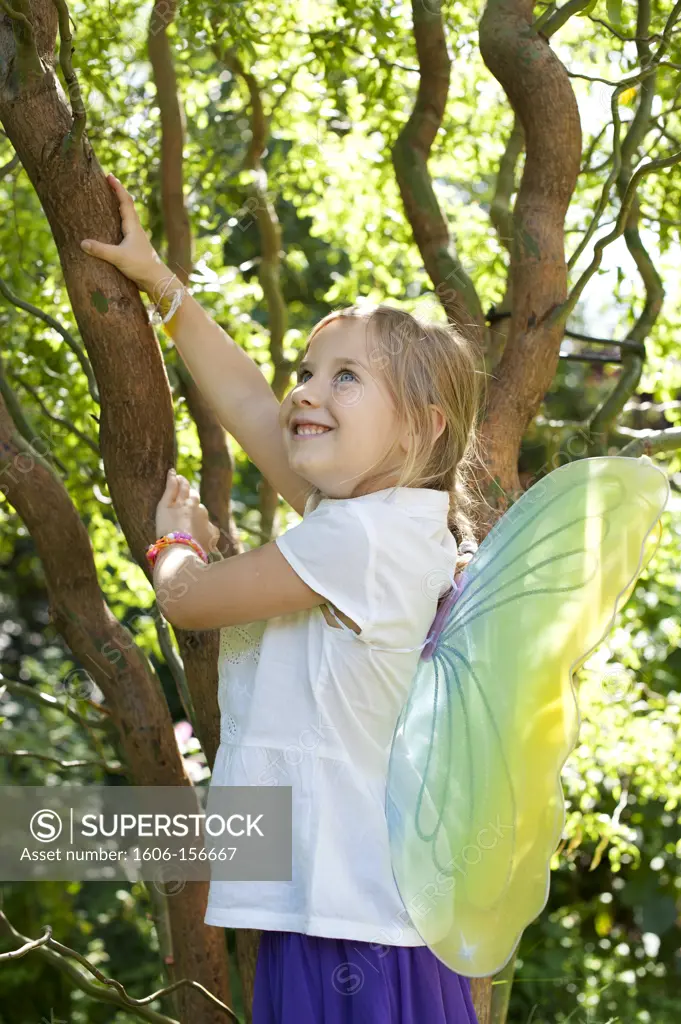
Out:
{"x": 234, "y": 387}
{"x": 230, "y": 381}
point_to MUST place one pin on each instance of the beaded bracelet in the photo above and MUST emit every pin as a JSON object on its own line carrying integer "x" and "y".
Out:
{"x": 175, "y": 537}
{"x": 178, "y": 296}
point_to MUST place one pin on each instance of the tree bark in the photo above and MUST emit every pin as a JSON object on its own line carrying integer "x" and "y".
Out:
{"x": 453, "y": 287}
{"x": 539, "y": 90}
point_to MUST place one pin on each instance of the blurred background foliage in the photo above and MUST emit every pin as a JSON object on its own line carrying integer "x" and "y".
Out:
{"x": 338, "y": 79}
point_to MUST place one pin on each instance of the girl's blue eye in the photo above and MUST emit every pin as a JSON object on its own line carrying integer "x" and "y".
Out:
{"x": 301, "y": 374}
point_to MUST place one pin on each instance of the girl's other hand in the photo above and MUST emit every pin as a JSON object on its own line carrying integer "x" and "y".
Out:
{"x": 180, "y": 508}
{"x": 135, "y": 256}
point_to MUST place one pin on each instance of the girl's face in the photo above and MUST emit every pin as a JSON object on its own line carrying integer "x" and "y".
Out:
{"x": 341, "y": 390}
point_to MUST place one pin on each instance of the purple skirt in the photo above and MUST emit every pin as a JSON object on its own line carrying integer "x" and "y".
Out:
{"x": 305, "y": 979}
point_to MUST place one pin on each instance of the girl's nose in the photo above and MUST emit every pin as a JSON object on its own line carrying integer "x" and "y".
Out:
{"x": 307, "y": 394}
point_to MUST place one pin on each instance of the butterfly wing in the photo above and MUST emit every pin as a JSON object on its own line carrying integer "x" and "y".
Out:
{"x": 474, "y": 802}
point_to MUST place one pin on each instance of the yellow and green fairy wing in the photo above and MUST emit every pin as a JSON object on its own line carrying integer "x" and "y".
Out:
{"x": 474, "y": 801}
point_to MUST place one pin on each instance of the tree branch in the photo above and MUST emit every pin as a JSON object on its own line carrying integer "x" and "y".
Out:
{"x": 648, "y": 442}
{"x": 540, "y": 94}
{"x": 261, "y": 209}
{"x": 45, "y": 947}
{"x": 590, "y": 357}
{"x": 174, "y": 663}
{"x": 589, "y": 153}
{"x": 674, "y": 15}
{"x": 550, "y": 21}
{"x": 616, "y": 162}
{"x": 608, "y": 411}
{"x": 607, "y": 81}
{"x": 410, "y": 153}
{"x": 18, "y": 17}
{"x": 493, "y": 316}
{"x": 46, "y": 700}
{"x": 560, "y": 313}
{"x": 500, "y": 212}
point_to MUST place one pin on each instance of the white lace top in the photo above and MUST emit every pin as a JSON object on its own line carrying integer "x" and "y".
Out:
{"x": 310, "y": 705}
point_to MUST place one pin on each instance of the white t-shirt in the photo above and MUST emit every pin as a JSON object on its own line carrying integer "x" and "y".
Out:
{"x": 313, "y": 706}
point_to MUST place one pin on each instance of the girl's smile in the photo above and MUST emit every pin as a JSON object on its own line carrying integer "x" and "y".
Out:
{"x": 301, "y": 426}
{"x": 305, "y": 431}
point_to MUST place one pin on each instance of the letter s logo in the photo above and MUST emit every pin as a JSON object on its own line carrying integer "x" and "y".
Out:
{"x": 45, "y": 825}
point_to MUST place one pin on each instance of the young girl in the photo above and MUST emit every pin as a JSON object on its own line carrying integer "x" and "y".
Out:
{"x": 322, "y": 628}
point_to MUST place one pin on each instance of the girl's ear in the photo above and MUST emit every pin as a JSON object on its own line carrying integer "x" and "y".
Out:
{"x": 438, "y": 420}
{"x": 405, "y": 439}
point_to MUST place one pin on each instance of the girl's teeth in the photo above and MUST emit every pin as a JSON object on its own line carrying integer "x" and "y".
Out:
{"x": 311, "y": 430}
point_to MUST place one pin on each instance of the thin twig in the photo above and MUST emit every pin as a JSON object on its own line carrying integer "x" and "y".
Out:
{"x": 66, "y": 48}
{"x": 612, "y": 176}
{"x": 589, "y": 357}
{"x": 493, "y": 315}
{"x": 560, "y": 313}
{"x": 586, "y": 169}
{"x": 25, "y": 427}
{"x": 46, "y": 700}
{"x": 667, "y": 32}
{"x": 9, "y": 166}
{"x": 174, "y": 663}
{"x": 113, "y": 767}
{"x": 616, "y": 164}
{"x": 620, "y": 35}
{"x": 53, "y": 416}
{"x": 500, "y": 209}
{"x": 56, "y": 954}
{"x": 55, "y": 325}
{"x": 629, "y": 81}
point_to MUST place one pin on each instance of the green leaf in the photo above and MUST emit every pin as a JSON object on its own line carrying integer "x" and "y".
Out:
{"x": 614, "y": 9}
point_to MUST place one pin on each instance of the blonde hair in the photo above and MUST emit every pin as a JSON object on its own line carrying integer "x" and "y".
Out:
{"x": 426, "y": 363}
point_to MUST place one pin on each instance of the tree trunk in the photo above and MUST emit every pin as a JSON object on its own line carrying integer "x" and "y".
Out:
{"x": 539, "y": 90}
{"x": 132, "y": 690}
{"x": 136, "y": 443}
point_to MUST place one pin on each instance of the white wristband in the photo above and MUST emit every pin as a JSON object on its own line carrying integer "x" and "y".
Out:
{"x": 178, "y": 296}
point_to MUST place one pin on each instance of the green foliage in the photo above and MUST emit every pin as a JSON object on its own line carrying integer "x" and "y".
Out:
{"x": 339, "y": 81}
